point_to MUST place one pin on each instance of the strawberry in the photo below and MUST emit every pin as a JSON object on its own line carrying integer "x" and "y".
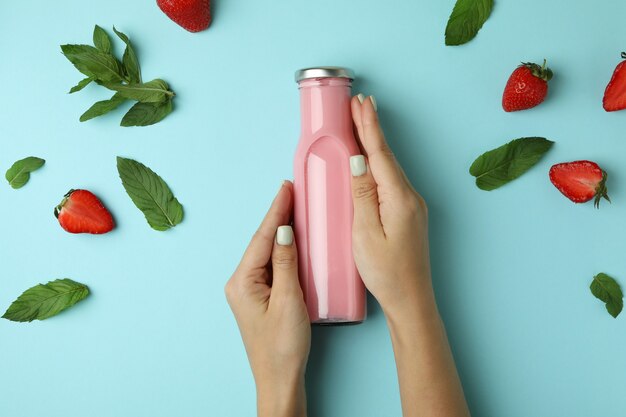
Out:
{"x": 193, "y": 15}
{"x": 82, "y": 212}
{"x": 580, "y": 181}
{"x": 527, "y": 87}
{"x": 615, "y": 93}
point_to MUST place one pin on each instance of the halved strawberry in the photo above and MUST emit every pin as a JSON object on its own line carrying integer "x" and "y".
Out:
{"x": 615, "y": 94}
{"x": 580, "y": 181}
{"x": 82, "y": 212}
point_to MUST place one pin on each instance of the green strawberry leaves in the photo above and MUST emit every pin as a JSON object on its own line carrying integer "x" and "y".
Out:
{"x": 150, "y": 194}
{"x": 46, "y": 300}
{"x": 499, "y": 166}
{"x": 99, "y": 65}
{"x": 19, "y": 173}
{"x": 467, "y": 17}
{"x": 606, "y": 289}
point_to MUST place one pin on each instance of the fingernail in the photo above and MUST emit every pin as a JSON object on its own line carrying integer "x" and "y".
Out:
{"x": 282, "y": 182}
{"x": 361, "y": 97}
{"x": 284, "y": 235}
{"x": 373, "y": 100}
{"x": 357, "y": 165}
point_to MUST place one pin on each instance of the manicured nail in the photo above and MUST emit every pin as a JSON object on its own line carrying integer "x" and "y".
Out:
{"x": 361, "y": 97}
{"x": 373, "y": 100}
{"x": 282, "y": 182}
{"x": 357, "y": 165}
{"x": 284, "y": 235}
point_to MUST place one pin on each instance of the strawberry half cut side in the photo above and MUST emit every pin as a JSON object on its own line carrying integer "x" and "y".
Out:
{"x": 580, "y": 181}
{"x": 81, "y": 211}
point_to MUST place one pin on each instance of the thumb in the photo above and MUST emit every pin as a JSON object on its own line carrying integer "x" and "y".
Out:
{"x": 364, "y": 195}
{"x": 284, "y": 261}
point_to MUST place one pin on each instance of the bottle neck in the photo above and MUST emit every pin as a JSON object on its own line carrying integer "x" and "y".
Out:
{"x": 325, "y": 106}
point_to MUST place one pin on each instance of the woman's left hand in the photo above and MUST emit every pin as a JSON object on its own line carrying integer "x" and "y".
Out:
{"x": 266, "y": 299}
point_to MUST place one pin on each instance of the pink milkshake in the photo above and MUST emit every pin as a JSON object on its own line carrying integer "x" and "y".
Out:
{"x": 332, "y": 288}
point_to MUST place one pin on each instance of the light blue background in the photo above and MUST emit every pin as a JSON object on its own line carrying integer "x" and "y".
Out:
{"x": 156, "y": 338}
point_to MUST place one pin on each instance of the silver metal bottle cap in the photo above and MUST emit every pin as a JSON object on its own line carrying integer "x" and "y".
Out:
{"x": 324, "y": 72}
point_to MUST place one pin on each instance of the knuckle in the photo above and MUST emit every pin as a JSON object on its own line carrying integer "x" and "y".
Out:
{"x": 229, "y": 289}
{"x": 383, "y": 151}
{"x": 365, "y": 190}
{"x": 284, "y": 259}
{"x": 414, "y": 203}
{"x": 261, "y": 236}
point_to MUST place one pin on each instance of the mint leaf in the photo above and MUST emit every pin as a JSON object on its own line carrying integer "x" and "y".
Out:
{"x": 606, "y": 289}
{"x": 19, "y": 173}
{"x": 130, "y": 61}
{"x": 153, "y": 91}
{"x": 102, "y": 107}
{"x": 466, "y": 20}
{"x": 46, "y": 300}
{"x": 497, "y": 167}
{"x": 150, "y": 194}
{"x": 101, "y": 40}
{"x": 94, "y": 63}
{"x": 81, "y": 84}
{"x": 145, "y": 114}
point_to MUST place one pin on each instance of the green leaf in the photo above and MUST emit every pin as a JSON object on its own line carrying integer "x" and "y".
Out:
{"x": 150, "y": 194}
{"x": 46, "y": 300}
{"x": 154, "y": 91}
{"x": 131, "y": 63}
{"x": 102, "y": 107}
{"x": 145, "y": 114}
{"x": 606, "y": 289}
{"x": 94, "y": 63}
{"x": 102, "y": 68}
{"x": 81, "y": 84}
{"x": 101, "y": 40}
{"x": 466, "y": 20}
{"x": 497, "y": 167}
{"x": 19, "y": 173}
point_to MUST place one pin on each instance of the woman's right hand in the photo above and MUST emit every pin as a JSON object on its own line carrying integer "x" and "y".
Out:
{"x": 390, "y": 229}
{"x": 390, "y": 245}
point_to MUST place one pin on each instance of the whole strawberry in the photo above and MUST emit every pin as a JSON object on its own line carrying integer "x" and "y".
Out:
{"x": 615, "y": 94}
{"x": 82, "y": 212}
{"x": 527, "y": 87}
{"x": 580, "y": 181}
{"x": 193, "y": 15}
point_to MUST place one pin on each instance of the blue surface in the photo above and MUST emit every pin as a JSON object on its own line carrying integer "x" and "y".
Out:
{"x": 156, "y": 338}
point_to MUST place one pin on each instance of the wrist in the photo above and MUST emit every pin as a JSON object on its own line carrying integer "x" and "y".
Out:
{"x": 281, "y": 396}
{"x": 415, "y": 301}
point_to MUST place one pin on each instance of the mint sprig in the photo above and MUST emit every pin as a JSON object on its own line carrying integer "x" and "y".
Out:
{"x": 46, "y": 300}
{"x": 467, "y": 17}
{"x": 606, "y": 289}
{"x": 100, "y": 66}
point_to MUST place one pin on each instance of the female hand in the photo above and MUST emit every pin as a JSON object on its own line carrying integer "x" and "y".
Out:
{"x": 390, "y": 229}
{"x": 390, "y": 245}
{"x": 266, "y": 299}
